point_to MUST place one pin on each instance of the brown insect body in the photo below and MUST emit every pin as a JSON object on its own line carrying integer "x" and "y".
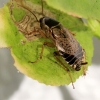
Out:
{"x": 68, "y": 47}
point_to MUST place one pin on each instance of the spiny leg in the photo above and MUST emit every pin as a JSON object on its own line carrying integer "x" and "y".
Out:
{"x": 49, "y": 44}
{"x": 84, "y": 68}
{"x": 56, "y": 54}
{"x": 84, "y": 63}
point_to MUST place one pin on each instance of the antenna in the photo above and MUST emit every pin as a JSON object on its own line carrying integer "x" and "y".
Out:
{"x": 29, "y": 11}
{"x": 42, "y": 7}
{"x": 25, "y": 7}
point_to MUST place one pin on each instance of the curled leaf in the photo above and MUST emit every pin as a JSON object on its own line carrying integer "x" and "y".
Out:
{"x": 24, "y": 50}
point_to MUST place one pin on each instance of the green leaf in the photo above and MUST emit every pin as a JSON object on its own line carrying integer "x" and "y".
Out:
{"x": 80, "y": 8}
{"x": 95, "y": 26}
{"x": 47, "y": 70}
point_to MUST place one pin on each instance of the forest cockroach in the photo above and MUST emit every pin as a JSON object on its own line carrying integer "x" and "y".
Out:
{"x": 67, "y": 46}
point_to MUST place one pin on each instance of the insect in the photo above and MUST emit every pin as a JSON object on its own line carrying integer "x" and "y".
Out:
{"x": 67, "y": 46}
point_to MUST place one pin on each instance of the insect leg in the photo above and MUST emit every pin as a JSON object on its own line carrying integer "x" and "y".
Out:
{"x": 42, "y": 34}
{"x": 49, "y": 44}
{"x": 84, "y": 63}
{"x": 56, "y": 54}
{"x": 42, "y": 7}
